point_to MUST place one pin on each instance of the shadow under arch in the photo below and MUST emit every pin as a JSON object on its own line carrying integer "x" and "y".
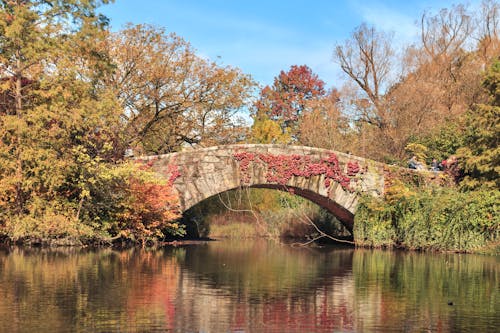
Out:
{"x": 341, "y": 213}
{"x": 198, "y": 228}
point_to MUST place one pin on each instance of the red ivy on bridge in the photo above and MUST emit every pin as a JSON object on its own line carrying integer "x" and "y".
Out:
{"x": 281, "y": 168}
{"x": 146, "y": 164}
{"x": 173, "y": 172}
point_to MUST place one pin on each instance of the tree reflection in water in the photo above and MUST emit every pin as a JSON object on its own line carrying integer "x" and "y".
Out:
{"x": 246, "y": 287}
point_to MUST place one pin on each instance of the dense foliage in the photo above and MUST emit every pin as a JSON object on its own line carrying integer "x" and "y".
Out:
{"x": 481, "y": 151}
{"x": 281, "y": 168}
{"x": 390, "y": 99}
{"x": 446, "y": 219}
{"x": 438, "y": 219}
{"x": 287, "y": 100}
{"x": 172, "y": 97}
{"x": 442, "y": 105}
{"x": 57, "y": 120}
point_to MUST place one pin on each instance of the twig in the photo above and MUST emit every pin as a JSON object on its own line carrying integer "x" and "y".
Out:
{"x": 228, "y": 207}
{"x": 321, "y": 233}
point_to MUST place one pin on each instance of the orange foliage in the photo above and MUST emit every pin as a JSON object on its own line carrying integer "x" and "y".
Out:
{"x": 151, "y": 209}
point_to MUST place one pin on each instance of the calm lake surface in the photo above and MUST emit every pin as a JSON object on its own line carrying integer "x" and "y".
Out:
{"x": 247, "y": 287}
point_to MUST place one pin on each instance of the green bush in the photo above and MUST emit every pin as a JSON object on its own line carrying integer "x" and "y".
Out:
{"x": 432, "y": 219}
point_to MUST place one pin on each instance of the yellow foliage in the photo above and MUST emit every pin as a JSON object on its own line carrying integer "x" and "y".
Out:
{"x": 170, "y": 95}
{"x": 266, "y": 130}
{"x": 418, "y": 150}
{"x": 397, "y": 190}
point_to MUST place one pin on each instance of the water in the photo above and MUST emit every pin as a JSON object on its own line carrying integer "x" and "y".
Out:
{"x": 247, "y": 287}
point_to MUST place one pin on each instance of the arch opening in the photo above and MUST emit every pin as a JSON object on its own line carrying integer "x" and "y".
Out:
{"x": 267, "y": 210}
{"x": 342, "y": 214}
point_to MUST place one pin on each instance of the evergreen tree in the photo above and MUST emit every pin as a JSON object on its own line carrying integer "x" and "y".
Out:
{"x": 481, "y": 154}
{"x": 56, "y": 119}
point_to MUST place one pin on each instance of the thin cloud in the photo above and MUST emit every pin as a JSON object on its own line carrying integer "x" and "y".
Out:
{"x": 390, "y": 20}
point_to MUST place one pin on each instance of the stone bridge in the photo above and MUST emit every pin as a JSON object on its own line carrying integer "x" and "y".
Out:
{"x": 331, "y": 179}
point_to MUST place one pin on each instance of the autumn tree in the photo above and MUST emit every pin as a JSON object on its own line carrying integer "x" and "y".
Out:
{"x": 325, "y": 126}
{"x": 286, "y": 100}
{"x": 488, "y": 30}
{"x": 56, "y": 121}
{"x": 367, "y": 58}
{"x": 60, "y": 130}
{"x": 265, "y": 130}
{"x": 447, "y": 63}
{"x": 439, "y": 78}
{"x": 172, "y": 97}
{"x": 150, "y": 207}
{"x": 446, "y": 32}
{"x": 443, "y": 77}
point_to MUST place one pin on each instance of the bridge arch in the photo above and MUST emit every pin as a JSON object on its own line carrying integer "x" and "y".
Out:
{"x": 331, "y": 179}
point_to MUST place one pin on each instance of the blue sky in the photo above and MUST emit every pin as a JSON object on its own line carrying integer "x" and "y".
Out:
{"x": 264, "y": 37}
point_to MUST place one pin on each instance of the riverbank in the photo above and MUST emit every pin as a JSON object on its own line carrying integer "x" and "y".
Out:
{"x": 434, "y": 219}
{"x": 489, "y": 248}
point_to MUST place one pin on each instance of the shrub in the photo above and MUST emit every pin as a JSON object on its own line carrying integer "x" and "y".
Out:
{"x": 432, "y": 219}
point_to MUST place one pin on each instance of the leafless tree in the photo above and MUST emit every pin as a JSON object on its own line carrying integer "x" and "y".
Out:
{"x": 367, "y": 58}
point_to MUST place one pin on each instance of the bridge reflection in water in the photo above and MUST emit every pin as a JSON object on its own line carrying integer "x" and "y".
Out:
{"x": 246, "y": 287}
